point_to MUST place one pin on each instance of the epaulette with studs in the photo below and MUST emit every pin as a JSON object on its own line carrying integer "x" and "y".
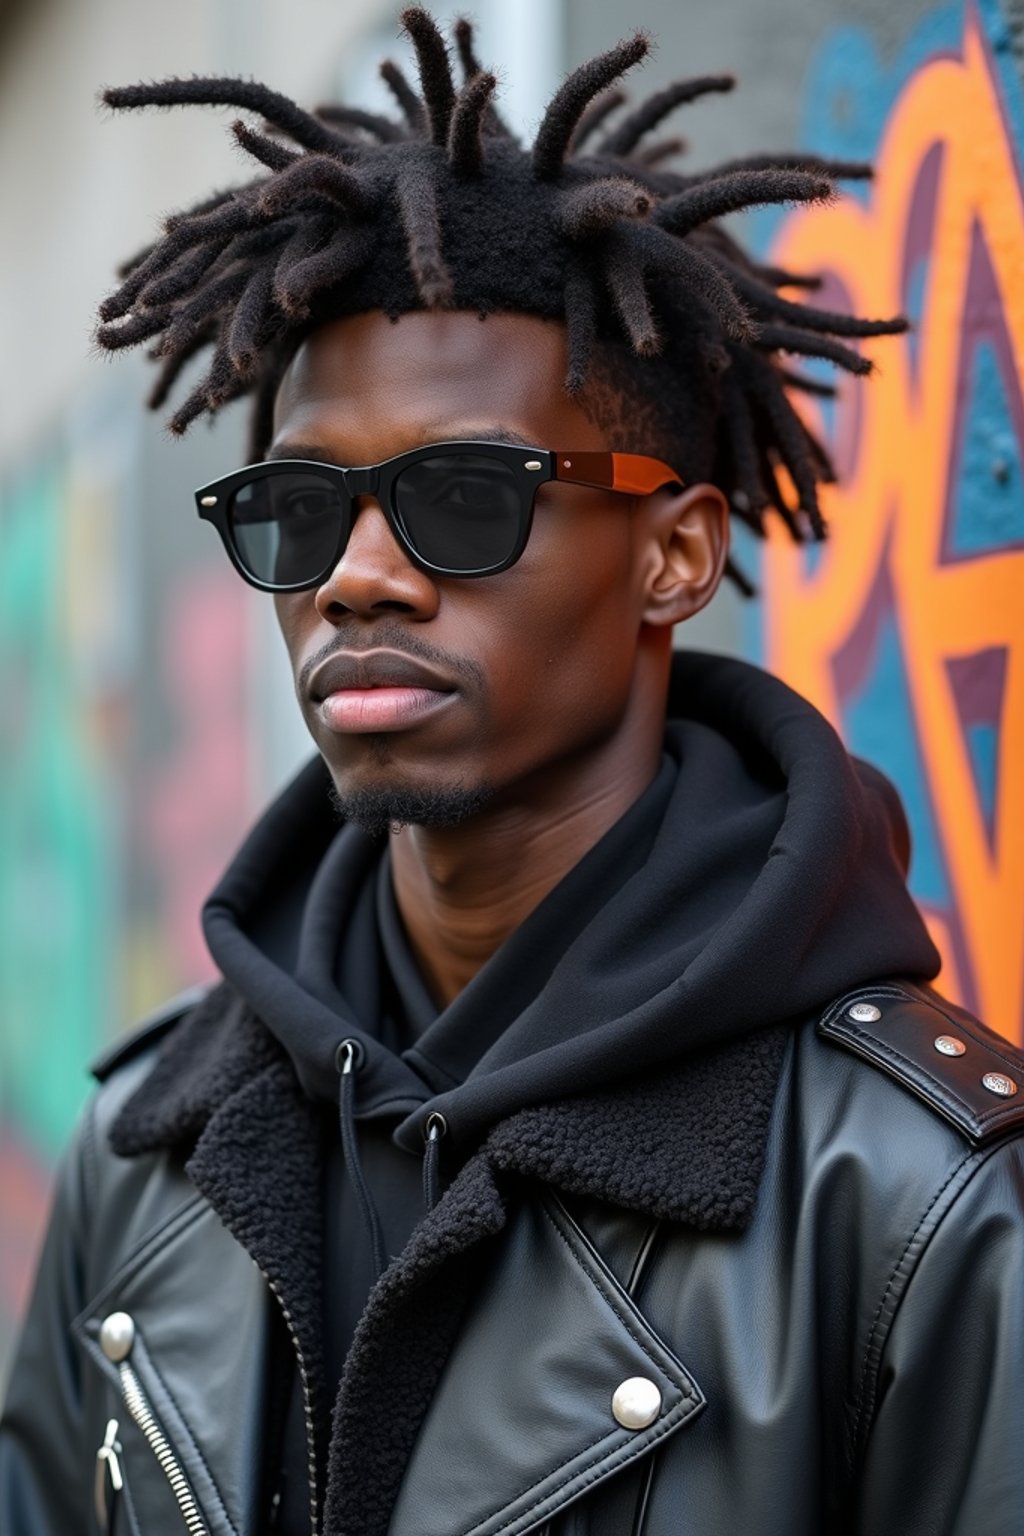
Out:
{"x": 967, "y": 1073}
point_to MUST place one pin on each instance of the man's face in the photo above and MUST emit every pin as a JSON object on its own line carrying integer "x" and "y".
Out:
{"x": 521, "y": 672}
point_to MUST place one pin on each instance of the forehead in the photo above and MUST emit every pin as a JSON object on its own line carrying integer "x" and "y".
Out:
{"x": 375, "y": 387}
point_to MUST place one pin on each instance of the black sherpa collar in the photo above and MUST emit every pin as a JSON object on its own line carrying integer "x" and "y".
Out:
{"x": 684, "y": 1144}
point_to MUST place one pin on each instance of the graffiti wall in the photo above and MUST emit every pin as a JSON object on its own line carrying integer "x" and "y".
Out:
{"x": 125, "y": 667}
{"x": 128, "y": 650}
{"x": 907, "y": 628}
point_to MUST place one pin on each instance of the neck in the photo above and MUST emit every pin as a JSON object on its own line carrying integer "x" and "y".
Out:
{"x": 463, "y": 890}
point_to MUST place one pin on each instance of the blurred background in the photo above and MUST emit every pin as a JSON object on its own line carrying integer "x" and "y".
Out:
{"x": 146, "y": 712}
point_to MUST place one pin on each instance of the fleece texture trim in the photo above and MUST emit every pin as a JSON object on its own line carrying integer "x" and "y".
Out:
{"x": 684, "y": 1144}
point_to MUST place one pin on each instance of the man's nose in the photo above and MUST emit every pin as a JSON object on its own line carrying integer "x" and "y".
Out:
{"x": 374, "y": 573}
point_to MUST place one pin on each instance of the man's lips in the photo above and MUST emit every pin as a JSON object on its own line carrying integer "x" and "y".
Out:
{"x": 364, "y": 691}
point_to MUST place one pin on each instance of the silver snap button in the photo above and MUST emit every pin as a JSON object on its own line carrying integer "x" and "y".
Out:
{"x": 636, "y": 1403}
{"x": 117, "y": 1335}
{"x": 995, "y": 1082}
{"x": 949, "y": 1045}
{"x": 864, "y": 1013}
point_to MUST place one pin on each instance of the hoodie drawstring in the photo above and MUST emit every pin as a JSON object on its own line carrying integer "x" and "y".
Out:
{"x": 434, "y": 1129}
{"x": 347, "y": 1058}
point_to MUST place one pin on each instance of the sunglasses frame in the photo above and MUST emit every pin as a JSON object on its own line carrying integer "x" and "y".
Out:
{"x": 631, "y": 474}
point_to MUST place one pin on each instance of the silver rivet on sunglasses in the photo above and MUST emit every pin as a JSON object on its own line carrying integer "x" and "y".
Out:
{"x": 208, "y": 501}
{"x": 533, "y": 464}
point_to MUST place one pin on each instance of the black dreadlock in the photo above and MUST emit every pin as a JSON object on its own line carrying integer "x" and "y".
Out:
{"x": 673, "y": 331}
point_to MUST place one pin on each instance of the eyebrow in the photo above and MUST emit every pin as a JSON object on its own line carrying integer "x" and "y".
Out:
{"x": 317, "y": 454}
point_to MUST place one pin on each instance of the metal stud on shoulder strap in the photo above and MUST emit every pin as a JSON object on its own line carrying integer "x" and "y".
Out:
{"x": 964, "y": 1072}
{"x": 999, "y": 1083}
{"x": 864, "y": 1013}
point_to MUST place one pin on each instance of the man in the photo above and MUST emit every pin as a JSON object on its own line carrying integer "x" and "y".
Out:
{"x": 574, "y": 1143}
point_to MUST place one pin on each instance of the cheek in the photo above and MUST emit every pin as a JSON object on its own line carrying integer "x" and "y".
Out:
{"x": 296, "y": 614}
{"x": 561, "y": 635}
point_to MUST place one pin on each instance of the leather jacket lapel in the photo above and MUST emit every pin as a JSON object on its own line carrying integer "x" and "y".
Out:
{"x": 528, "y": 1395}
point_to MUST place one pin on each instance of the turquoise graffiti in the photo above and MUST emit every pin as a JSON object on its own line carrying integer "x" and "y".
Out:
{"x": 56, "y": 830}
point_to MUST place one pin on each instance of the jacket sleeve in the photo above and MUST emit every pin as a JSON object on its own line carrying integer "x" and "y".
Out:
{"x": 945, "y": 1454}
{"x": 45, "y": 1481}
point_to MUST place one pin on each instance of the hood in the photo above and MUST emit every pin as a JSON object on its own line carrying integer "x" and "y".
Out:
{"x": 761, "y": 874}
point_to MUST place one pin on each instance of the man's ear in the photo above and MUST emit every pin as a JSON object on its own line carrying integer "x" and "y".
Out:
{"x": 689, "y": 545}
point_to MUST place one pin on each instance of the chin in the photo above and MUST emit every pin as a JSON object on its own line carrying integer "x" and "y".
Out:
{"x": 385, "y": 803}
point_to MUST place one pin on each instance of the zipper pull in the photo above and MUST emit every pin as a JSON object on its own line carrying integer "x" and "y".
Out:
{"x": 108, "y": 1469}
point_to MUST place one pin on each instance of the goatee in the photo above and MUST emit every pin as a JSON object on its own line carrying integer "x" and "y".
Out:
{"x": 383, "y": 809}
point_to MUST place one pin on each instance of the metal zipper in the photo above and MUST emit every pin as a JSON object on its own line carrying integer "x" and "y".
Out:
{"x": 307, "y": 1404}
{"x": 138, "y": 1406}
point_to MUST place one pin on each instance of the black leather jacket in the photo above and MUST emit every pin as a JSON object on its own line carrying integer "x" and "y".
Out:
{"x": 850, "y": 1360}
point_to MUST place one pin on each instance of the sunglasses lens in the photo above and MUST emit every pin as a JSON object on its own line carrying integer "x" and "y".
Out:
{"x": 461, "y": 512}
{"x": 287, "y": 528}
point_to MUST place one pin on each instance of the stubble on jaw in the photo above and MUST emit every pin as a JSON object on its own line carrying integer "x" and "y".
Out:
{"x": 381, "y": 808}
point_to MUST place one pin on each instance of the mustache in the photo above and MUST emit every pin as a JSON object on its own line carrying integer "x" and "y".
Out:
{"x": 387, "y": 634}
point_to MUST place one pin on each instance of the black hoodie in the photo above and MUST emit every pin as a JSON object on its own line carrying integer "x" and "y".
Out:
{"x": 759, "y": 875}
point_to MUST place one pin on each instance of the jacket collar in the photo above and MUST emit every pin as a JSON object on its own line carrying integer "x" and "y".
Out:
{"x": 684, "y": 1145}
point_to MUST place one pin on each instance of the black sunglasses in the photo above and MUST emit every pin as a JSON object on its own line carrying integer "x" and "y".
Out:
{"x": 457, "y": 509}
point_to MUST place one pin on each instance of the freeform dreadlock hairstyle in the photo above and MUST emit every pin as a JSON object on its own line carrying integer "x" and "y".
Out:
{"x": 443, "y": 208}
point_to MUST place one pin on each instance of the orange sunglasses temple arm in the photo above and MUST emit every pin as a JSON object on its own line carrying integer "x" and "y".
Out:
{"x": 633, "y": 473}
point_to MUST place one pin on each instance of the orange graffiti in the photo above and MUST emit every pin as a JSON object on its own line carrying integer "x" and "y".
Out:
{"x": 895, "y": 438}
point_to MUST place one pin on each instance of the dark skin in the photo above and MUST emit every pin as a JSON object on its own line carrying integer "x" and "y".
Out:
{"x": 559, "y": 665}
